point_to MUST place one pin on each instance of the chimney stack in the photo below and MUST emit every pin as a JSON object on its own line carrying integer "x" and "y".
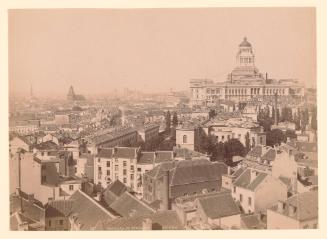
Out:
{"x": 229, "y": 172}
{"x": 165, "y": 196}
{"x": 280, "y": 206}
{"x": 291, "y": 210}
{"x": 147, "y": 224}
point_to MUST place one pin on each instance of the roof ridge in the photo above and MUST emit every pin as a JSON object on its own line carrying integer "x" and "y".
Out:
{"x": 94, "y": 202}
{"x": 140, "y": 201}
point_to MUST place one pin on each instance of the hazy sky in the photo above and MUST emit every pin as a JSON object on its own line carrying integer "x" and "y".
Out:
{"x": 98, "y": 50}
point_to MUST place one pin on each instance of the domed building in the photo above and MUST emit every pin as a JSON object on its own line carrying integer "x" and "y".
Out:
{"x": 243, "y": 83}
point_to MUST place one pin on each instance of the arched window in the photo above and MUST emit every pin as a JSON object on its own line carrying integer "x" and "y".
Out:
{"x": 184, "y": 139}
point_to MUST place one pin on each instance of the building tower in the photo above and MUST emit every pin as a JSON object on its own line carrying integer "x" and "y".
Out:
{"x": 245, "y": 64}
{"x": 71, "y": 94}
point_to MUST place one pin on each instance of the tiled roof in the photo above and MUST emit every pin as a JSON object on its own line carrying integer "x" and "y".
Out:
{"x": 194, "y": 171}
{"x": 146, "y": 158}
{"x": 252, "y": 221}
{"x": 244, "y": 180}
{"x": 105, "y": 153}
{"x": 30, "y": 210}
{"x": 126, "y": 152}
{"x": 219, "y": 205}
{"x": 87, "y": 211}
{"x": 161, "y": 220}
{"x": 306, "y": 205}
{"x": 127, "y": 206}
{"x": 59, "y": 208}
{"x": 113, "y": 191}
{"x": 186, "y": 153}
{"x": 162, "y": 156}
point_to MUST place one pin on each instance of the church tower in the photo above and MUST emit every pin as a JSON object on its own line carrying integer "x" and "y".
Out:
{"x": 71, "y": 94}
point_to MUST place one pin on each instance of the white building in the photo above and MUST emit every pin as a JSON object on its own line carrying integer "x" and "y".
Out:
{"x": 243, "y": 83}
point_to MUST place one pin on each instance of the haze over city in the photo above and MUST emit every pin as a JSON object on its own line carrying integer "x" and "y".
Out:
{"x": 153, "y": 50}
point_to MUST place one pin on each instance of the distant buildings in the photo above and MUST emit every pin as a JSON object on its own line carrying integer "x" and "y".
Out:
{"x": 243, "y": 83}
{"x": 71, "y": 96}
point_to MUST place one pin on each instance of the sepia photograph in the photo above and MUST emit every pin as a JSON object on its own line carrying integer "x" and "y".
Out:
{"x": 162, "y": 119}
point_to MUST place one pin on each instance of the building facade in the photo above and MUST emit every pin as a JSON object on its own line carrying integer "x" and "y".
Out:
{"x": 243, "y": 83}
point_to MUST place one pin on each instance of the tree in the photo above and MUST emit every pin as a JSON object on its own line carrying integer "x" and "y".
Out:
{"x": 304, "y": 119}
{"x": 247, "y": 142}
{"x": 275, "y": 137}
{"x": 168, "y": 121}
{"x": 175, "y": 120}
{"x": 290, "y": 134}
{"x": 314, "y": 119}
{"x": 212, "y": 113}
{"x": 233, "y": 148}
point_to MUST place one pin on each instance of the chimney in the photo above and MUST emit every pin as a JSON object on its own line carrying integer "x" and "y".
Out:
{"x": 98, "y": 197}
{"x": 280, "y": 206}
{"x": 253, "y": 174}
{"x": 229, "y": 172}
{"x": 291, "y": 210}
{"x": 165, "y": 196}
{"x": 31, "y": 198}
{"x": 147, "y": 224}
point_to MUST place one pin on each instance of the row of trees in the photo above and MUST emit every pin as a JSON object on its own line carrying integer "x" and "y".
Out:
{"x": 300, "y": 119}
{"x": 169, "y": 121}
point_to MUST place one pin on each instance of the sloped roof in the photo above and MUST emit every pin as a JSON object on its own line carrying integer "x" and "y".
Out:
{"x": 24, "y": 139}
{"x": 162, "y": 156}
{"x": 252, "y": 221}
{"x": 146, "y": 158}
{"x": 48, "y": 145}
{"x": 87, "y": 211}
{"x": 194, "y": 171}
{"x": 219, "y": 205}
{"x": 306, "y": 205}
{"x": 244, "y": 180}
{"x": 105, "y": 153}
{"x": 126, "y": 152}
{"x": 127, "y": 205}
{"x": 59, "y": 208}
{"x": 161, "y": 220}
{"x": 113, "y": 191}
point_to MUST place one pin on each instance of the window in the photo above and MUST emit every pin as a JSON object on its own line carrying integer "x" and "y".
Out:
{"x": 49, "y": 223}
{"x": 132, "y": 176}
{"x": 124, "y": 163}
{"x": 132, "y": 167}
{"x": 124, "y": 172}
{"x": 43, "y": 167}
{"x": 125, "y": 180}
{"x": 116, "y": 176}
{"x": 116, "y": 167}
{"x": 75, "y": 169}
{"x": 249, "y": 201}
{"x": 108, "y": 164}
{"x": 260, "y": 140}
{"x": 99, "y": 169}
{"x": 184, "y": 139}
{"x": 108, "y": 172}
{"x": 98, "y": 160}
{"x": 43, "y": 179}
{"x": 71, "y": 187}
{"x": 61, "y": 222}
{"x": 234, "y": 189}
{"x": 241, "y": 198}
{"x": 139, "y": 169}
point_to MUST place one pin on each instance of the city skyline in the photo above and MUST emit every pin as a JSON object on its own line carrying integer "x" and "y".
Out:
{"x": 153, "y": 50}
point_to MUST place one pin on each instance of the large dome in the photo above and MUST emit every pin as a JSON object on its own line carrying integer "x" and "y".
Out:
{"x": 245, "y": 43}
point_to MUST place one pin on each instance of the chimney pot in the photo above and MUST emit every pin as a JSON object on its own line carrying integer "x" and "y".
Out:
{"x": 280, "y": 206}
